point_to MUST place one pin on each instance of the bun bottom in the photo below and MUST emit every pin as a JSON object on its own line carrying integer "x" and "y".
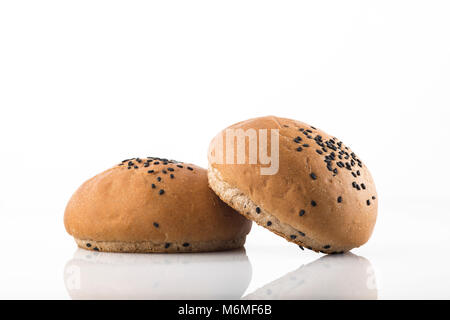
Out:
{"x": 161, "y": 247}
{"x": 236, "y": 199}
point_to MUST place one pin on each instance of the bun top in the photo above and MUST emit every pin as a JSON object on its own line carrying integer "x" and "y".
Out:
{"x": 320, "y": 187}
{"x": 151, "y": 199}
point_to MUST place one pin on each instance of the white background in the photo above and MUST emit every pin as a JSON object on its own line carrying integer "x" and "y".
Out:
{"x": 85, "y": 84}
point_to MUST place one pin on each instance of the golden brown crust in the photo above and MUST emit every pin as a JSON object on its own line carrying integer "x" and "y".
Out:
{"x": 308, "y": 179}
{"x": 154, "y": 200}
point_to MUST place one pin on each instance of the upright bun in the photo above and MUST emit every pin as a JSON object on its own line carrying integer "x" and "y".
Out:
{"x": 152, "y": 205}
{"x": 317, "y": 193}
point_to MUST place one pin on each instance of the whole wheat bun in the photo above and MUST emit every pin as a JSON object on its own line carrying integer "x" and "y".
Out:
{"x": 152, "y": 205}
{"x": 322, "y": 197}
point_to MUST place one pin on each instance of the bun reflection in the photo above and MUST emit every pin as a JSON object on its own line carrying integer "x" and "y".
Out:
{"x": 345, "y": 276}
{"x": 101, "y": 275}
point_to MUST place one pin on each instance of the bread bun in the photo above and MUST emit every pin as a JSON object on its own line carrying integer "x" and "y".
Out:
{"x": 319, "y": 195}
{"x": 152, "y": 205}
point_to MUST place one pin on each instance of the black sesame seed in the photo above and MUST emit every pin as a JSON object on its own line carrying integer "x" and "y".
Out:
{"x": 167, "y": 245}
{"x": 301, "y": 233}
{"x": 159, "y": 179}
{"x": 319, "y": 151}
{"x": 301, "y": 247}
{"x": 293, "y": 236}
{"x": 313, "y": 176}
{"x": 354, "y": 174}
{"x": 299, "y": 149}
{"x": 258, "y": 210}
{"x": 96, "y": 249}
{"x": 129, "y": 168}
{"x": 130, "y": 163}
{"x": 164, "y": 171}
{"x": 135, "y": 167}
{"x": 358, "y": 173}
{"x": 186, "y": 244}
{"x": 269, "y": 223}
{"x": 146, "y": 165}
{"x": 172, "y": 176}
{"x": 170, "y": 169}
{"x": 301, "y": 213}
{"x": 313, "y": 203}
{"x": 373, "y": 197}
{"x": 161, "y": 192}
{"x": 339, "y": 199}
{"x": 354, "y": 184}
{"x": 179, "y": 166}
{"x": 368, "y": 202}
{"x": 153, "y": 186}
{"x": 358, "y": 187}
{"x": 156, "y": 162}
{"x": 327, "y": 246}
{"x": 88, "y": 245}
{"x": 363, "y": 186}
{"x": 156, "y": 224}
{"x": 151, "y": 171}
{"x": 306, "y": 145}
{"x": 335, "y": 170}
{"x": 189, "y": 168}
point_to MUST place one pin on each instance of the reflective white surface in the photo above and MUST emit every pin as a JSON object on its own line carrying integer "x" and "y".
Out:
{"x": 345, "y": 276}
{"x": 101, "y": 275}
{"x": 405, "y": 259}
{"x": 222, "y": 275}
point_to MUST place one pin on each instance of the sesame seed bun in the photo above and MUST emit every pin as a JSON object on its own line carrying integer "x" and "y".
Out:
{"x": 322, "y": 197}
{"x": 152, "y": 205}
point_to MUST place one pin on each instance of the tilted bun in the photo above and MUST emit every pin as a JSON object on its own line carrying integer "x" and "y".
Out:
{"x": 152, "y": 205}
{"x": 322, "y": 197}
